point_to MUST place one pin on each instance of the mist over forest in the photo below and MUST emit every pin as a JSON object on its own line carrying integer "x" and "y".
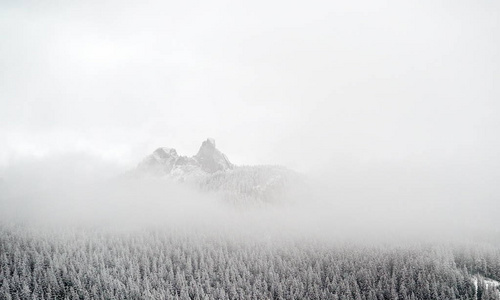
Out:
{"x": 156, "y": 231}
{"x": 260, "y": 150}
{"x": 342, "y": 200}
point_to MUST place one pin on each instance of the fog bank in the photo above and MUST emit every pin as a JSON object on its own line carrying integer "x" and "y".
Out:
{"x": 359, "y": 202}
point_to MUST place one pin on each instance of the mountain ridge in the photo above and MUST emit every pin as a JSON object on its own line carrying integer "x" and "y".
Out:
{"x": 166, "y": 161}
{"x": 210, "y": 170}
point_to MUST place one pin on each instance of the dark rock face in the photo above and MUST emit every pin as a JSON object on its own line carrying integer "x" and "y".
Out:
{"x": 211, "y": 159}
{"x": 166, "y": 161}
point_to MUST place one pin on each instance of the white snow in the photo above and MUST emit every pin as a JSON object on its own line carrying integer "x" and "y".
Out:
{"x": 211, "y": 170}
{"x": 490, "y": 283}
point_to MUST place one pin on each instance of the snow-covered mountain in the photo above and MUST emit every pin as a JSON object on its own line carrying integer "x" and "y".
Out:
{"x": 210, "y": 170}
{"x": 166, "y": 162}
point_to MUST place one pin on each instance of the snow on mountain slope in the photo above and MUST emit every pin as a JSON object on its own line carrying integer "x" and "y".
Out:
{"x": 211, "y": 171}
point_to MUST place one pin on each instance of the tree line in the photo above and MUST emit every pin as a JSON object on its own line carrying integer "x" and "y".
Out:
{"x": 155, "y": 264}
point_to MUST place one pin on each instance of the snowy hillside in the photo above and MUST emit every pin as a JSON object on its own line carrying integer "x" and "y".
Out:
{"x": 210, "y": 170}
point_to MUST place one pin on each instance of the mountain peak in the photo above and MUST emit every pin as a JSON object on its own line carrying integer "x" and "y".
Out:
{"x": 166, "y": 152}
{"x": 210, "y": 142}
{"x": 211, "y": 159}
{"x": 211, "y": 170}
{"x": 166, "y": 161}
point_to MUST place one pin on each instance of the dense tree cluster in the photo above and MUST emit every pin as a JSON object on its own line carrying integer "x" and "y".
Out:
{"x": 253, "y": 184}
{"x": 83, "y": 264}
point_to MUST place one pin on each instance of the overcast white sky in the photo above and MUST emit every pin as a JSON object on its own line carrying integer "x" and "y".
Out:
{"x": 298, "y": 83}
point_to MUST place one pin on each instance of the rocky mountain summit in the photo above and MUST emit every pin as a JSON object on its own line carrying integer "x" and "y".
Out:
{"x": 212, "y": 160}
{"x": 165, "y": 161}
{"x": 210, "y": 170}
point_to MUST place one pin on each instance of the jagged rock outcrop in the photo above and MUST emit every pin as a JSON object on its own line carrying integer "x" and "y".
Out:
{"x": 211, "y": 159}
{"x": 166, "y": 161}
{"x": 210, "y": 170}
{"x": 161, "y": 161}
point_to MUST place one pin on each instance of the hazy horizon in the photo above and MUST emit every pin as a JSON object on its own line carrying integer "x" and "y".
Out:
{"x": 356, "y": 150}
{"x": 388, "y": 104}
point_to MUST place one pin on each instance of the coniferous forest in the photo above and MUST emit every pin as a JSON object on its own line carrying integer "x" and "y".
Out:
{"x": 156, "y": 264}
